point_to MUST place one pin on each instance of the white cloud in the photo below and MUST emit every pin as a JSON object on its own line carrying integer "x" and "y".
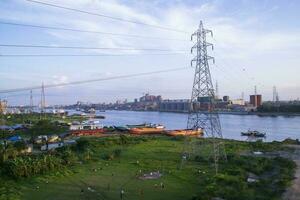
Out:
{"x": 246, "y": 41}
{"x": 60, "y": 79}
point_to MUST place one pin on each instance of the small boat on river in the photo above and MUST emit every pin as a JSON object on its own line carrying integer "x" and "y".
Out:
{"x": 253, "y": 133}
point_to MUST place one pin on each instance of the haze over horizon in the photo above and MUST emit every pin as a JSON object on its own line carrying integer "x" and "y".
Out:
{"x": 256, "y": 43}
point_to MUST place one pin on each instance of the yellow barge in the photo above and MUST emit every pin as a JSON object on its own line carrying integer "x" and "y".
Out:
{"x": 185, "y": 132}
{"x": 147, "y": 130}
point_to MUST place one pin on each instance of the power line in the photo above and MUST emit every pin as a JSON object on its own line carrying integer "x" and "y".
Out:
{"x": 107, "y": 16}
{"x": 82, "y": 47}
{"x": 92, "y": 80}
{"x": 86, "y": 55}
{"x": 89, "y": 31}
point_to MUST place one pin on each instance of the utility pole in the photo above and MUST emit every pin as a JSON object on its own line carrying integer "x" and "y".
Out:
{"x": 31, "y": 103}
{"x": 275, "y": 95}
{"x": 43, "y": 101}
{"x": 217, "y": 90}
{"x": 207, "y": 119}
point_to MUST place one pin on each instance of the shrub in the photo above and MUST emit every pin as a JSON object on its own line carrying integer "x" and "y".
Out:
{"x": 117, "y": 152}
{"x": 83, "y": 144}
{"x": 20, "y": 145}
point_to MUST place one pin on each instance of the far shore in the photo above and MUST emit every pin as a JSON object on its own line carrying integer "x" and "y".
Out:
{"x": 261, "y": 114}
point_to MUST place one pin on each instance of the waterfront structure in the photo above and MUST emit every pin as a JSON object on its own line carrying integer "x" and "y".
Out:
{"x": 179, "y": 105}
{"x": 240, "y": 102}
{"x": 225, "y": 98}
{"x": 256, "y": 100}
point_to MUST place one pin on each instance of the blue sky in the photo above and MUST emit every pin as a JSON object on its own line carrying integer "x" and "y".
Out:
{"x": 257, "y": 42}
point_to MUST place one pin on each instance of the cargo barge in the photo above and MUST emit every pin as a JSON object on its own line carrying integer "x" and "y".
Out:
{"x": 185, "y": 132}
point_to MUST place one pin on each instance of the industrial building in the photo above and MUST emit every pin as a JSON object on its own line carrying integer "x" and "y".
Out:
{"x": 256, "y": 100}
{"x": 180, "y": 105}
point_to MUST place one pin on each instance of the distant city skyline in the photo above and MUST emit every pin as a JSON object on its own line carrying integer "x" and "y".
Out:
{"x": 256, "y": 43}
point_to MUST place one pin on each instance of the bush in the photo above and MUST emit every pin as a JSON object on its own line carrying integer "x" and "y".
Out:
{"x": 178, "y": 138}
{"x": 123, "y": 139}
{"x": 83, "y": 144}
{"x": 20, "y": 145}
{"x": 31, "y": 165}
{"x": 117, "y": 152}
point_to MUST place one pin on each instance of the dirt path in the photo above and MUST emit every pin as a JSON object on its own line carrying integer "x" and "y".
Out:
{"x": 293, "y": 192}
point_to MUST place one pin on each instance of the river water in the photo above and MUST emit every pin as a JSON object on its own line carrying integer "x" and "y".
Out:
{"x": 277, "y": 128}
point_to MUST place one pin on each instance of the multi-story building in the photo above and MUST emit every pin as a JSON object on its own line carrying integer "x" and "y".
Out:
{"x": 3, "y": 106}
{"x": 256, "y": 100}
{"x": 238, "y": 102}
{"x": 150, "y": 98}
{"x": 179, "y": 105}
{"x": 226, "y": 98}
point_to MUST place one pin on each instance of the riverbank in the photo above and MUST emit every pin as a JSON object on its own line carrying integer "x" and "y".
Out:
{"x": 293, "y": 192}
{"x": 102, "y": 167}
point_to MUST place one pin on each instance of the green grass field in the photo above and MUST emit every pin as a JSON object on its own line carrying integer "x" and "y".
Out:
{"x": 101, "y": 178}
{"x": 121, "y": 173}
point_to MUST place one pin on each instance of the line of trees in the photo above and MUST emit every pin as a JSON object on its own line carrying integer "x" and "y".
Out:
{"x": 279, "y": 108}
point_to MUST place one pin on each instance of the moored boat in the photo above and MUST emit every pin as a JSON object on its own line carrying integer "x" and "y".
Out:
{"x": 253, "y": 133}
{"x": 147, "y": 130}
{"x": 86, "y": 128}
{"x": 185, "y": 132}
{"x": 138, "y": 125}
{"x": 91, "y": 132}
{"x": 121, "y": 128}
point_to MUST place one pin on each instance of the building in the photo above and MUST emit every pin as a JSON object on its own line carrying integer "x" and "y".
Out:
{"x": 90, "y": 125}
{"x": 256, "y": 100}
{"x": 238, "y": 102}
{"x": 179, "y": 105}
{"x": 150, "y": 98}
{"x": 225, "y": 98}
{"x": 3, "y": 106}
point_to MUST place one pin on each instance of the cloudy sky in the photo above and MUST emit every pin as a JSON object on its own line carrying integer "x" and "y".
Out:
{"x": 257, "y": 42}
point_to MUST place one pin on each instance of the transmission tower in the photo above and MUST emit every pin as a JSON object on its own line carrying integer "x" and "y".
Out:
{"x": 275, "y": 94}
{"x": 31, "y": 103}
{"x": 43, "y": 101}
{"x": 203, "y": 96}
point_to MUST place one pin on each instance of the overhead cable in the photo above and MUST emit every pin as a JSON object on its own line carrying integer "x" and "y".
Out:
{"x": 84, "y": 47}
{"x": 89, "y": 31}
{"x": 88, "y": 55}
{"x": 107, "y": 16}
{"x": 92, "y": 80}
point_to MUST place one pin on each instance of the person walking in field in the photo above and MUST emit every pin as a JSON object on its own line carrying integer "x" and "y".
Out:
{"x": 122, "y": 194}
{"x": 162, "y": 186}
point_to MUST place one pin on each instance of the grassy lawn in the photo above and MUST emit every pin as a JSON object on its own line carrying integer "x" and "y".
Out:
{"x": 122, "y": 172}
{"x": 103, "y": 176}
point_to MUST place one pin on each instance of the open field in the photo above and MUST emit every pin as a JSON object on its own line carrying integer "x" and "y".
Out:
{"x": 105, "y": 173}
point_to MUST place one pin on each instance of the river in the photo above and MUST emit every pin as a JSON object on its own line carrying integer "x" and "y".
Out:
{"x": 277, "y": 128}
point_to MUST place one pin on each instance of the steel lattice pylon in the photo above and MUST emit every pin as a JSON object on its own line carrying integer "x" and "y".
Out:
{"x": 43, "y": 102}
{"x": 201, "y": 116}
